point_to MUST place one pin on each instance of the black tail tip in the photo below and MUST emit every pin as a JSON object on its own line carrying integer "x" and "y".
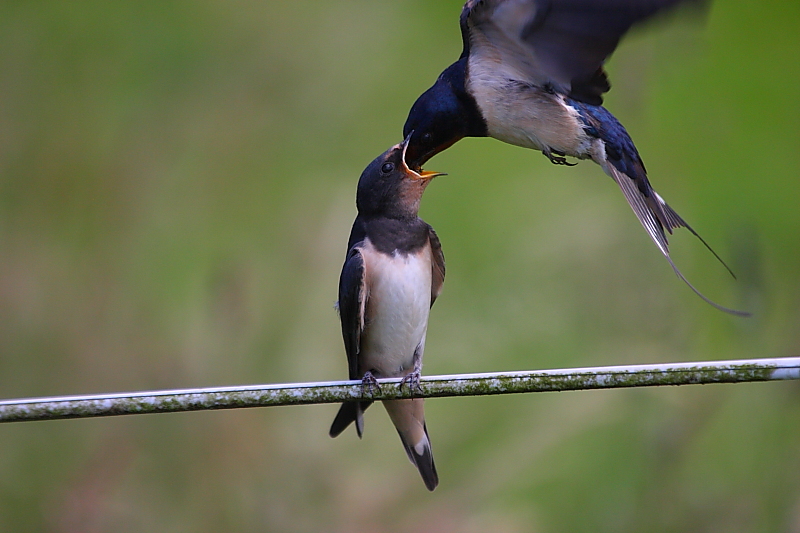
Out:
{"x": 427, "y": 468}
{"x": 431, "y": 482}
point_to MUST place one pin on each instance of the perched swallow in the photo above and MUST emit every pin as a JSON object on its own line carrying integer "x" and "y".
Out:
{"x": 392, "y": 274}
{"x": 531, "y": 74}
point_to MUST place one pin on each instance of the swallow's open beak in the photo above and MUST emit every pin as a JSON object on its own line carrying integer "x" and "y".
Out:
{"x": 428, "y": 174}
{"x": 417, "y": 174}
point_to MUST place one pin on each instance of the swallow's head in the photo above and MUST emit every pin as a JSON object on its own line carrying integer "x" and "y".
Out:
{"x": 442, "y": 115}
{"x": 435, "y": 122}
{"x": 390, "y": 187}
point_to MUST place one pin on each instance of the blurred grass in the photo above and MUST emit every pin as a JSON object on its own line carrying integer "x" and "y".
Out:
{"x": 176, "y": 190}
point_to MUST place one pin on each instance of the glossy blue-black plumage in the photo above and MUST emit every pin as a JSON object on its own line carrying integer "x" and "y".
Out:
{"x": 619, "y": 147}
{"x": 442, "y": 115}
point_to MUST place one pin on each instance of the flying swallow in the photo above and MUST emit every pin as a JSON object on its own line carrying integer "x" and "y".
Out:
{"x": 531, "y": 74}
{"x": 391, "y": 277}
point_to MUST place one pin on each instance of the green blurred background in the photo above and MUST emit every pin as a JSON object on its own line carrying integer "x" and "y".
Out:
{"x": 177, "y": 184}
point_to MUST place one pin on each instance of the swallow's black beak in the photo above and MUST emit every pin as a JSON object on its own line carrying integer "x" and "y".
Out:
{"x": 414, "y": 168}
{"x": 418, "y": 153}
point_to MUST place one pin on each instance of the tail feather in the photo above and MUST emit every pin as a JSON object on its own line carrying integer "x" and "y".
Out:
{"x": 409, "y": 419}
{"x": 348, "y": 413}
{"x": 421, "y": 456}
{"x": 675, "y": 221}
{"x": 617, "y": 155}
{"x": 655, "y": 215}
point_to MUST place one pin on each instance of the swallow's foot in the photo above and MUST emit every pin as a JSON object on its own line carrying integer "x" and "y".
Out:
{"x": 412, "y": 381}
{"x": 557, "y": 158}
{"x": 370, "y": 384}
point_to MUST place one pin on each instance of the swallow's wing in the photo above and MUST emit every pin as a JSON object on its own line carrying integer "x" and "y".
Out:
{"x": 437, "y": 265}
{"x": 561, "y": 43}
{"x": 352, "y": 305}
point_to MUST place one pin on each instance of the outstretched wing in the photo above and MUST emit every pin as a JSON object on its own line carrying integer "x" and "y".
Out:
{"x": 560, "y": 43}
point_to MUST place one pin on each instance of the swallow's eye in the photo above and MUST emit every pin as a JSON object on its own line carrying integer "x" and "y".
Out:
{"x": 426, "y": 138}
{"x": 387, "y": 167}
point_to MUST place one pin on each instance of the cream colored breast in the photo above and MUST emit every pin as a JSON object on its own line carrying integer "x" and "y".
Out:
{"x": 515, "y": 109}
{"x": 397, "y": 309}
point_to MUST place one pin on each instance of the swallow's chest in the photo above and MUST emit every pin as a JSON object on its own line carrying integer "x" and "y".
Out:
{"x": 518, "y": 111}
{"x": 397, "y": 308}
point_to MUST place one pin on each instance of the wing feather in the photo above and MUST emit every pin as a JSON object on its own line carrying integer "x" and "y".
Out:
{"x": 563, "y": 43}
{"x": 437, "y": 265}
{"x": 352, "y": 305}
{"x": 353, "y": 296}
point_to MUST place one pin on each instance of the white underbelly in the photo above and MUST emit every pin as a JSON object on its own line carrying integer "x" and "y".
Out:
{"x": 397, "y": 312}
{"x": 523, "y": 115}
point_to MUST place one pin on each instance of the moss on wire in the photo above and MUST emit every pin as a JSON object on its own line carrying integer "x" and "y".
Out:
{"x": 171, "y": 401}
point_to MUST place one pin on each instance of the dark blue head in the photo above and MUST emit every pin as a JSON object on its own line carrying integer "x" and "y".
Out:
{"x": 443, "y": 115}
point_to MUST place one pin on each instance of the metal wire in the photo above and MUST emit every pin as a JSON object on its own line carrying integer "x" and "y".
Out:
{"x": 171, "y": 401}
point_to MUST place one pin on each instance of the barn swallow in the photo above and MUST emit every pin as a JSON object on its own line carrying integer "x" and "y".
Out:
{"x": 531, "y": 74}
{"x": 391, "y": 277}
